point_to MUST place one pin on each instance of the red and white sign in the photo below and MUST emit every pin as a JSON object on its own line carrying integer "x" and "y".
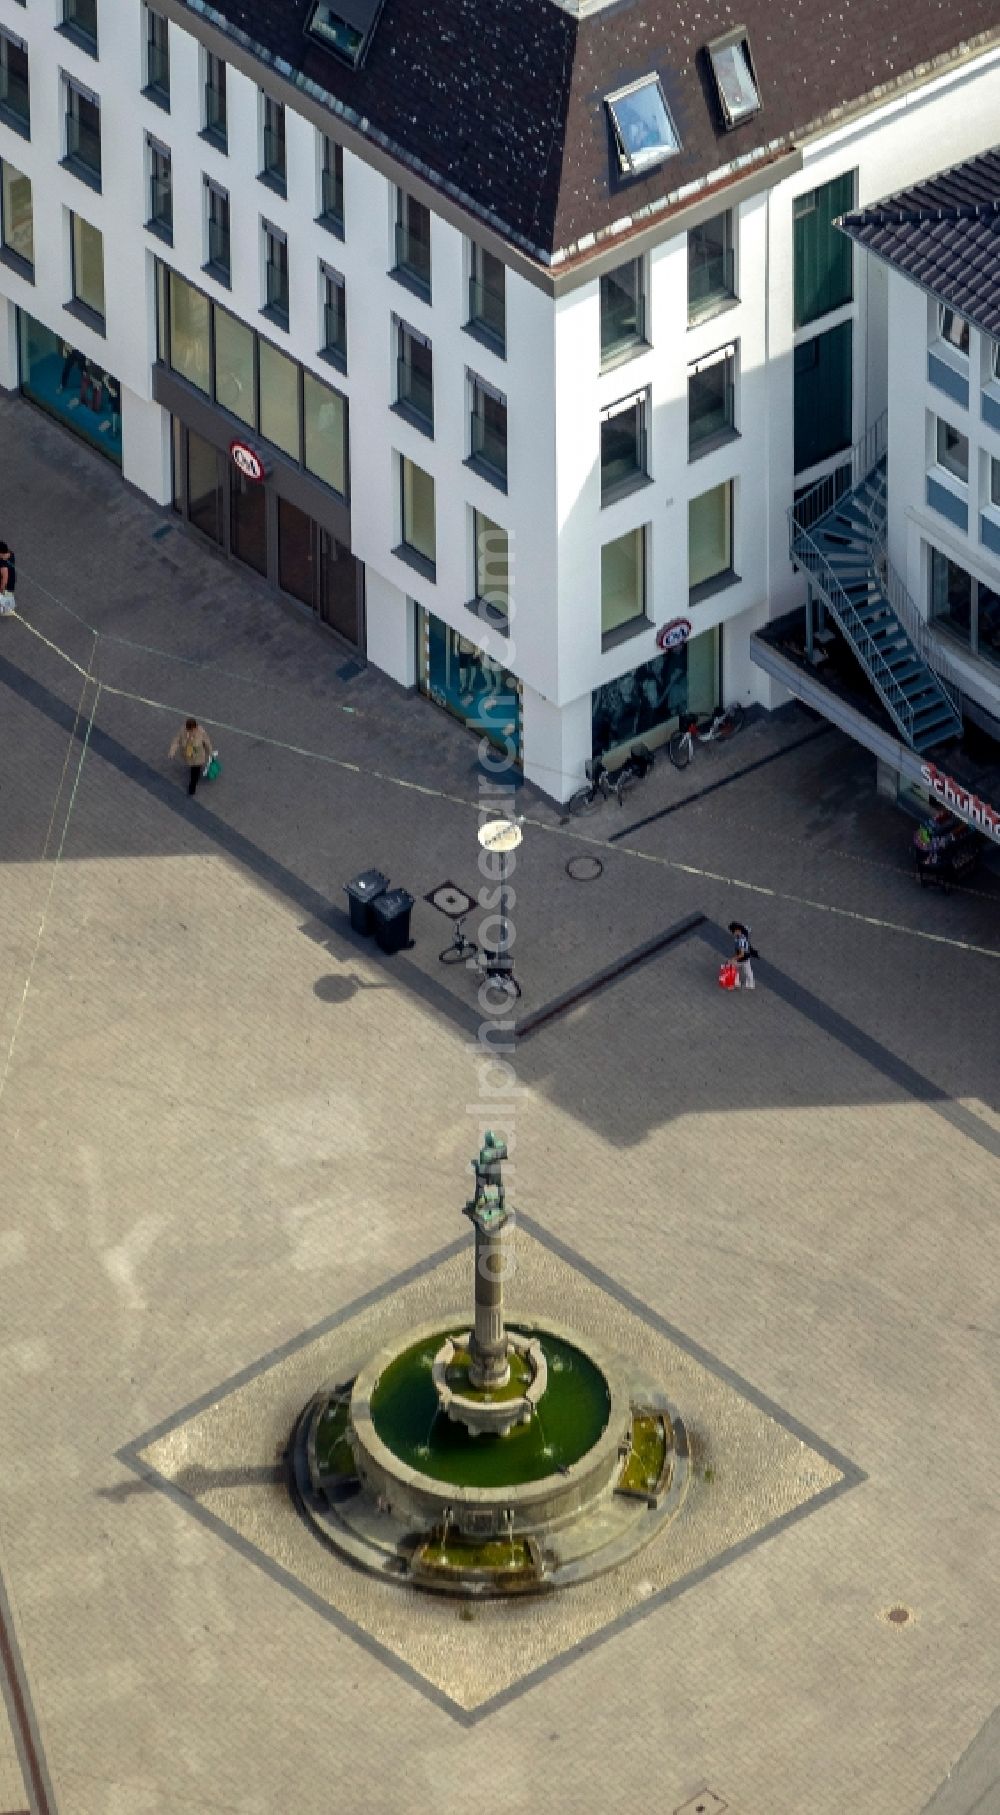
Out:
{"x": 247, "y": 461}
{"x": 672, "y": 635}
{"x": 964, "y": 804}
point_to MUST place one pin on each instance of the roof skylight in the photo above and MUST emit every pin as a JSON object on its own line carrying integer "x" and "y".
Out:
{"x": 735, "y": 77}
{"x": 345, "y": 27}
{"x": 644, "y": 132}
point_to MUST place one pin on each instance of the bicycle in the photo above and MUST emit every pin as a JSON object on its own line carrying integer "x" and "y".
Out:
{"x": 723, "y": 724}
{"x": 603, "y": 782}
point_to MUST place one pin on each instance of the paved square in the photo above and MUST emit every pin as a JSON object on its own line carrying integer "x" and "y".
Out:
{"x": 752, "y": 1472}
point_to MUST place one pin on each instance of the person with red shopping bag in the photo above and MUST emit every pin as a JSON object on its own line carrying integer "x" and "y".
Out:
{"x": 742, "y": 953}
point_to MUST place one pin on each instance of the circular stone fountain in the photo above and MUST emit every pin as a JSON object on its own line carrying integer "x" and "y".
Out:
{"x": 494, "y": 1458}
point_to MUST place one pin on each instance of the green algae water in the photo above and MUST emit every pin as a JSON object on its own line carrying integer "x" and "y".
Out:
{"x": 570, "y": 1418}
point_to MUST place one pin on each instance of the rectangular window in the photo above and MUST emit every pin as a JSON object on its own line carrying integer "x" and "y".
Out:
{"x": 823, "y": 395}
{"x": 711, "y": 400}
{"x": 413, "y": 243}
{"x": 417, "y": 511}
{"x": 711, "y": 266}
{"x": 190, "y": 325}
{"x": 623, "y": 445}
{"x": 334, "y": 316}
{"x": 273, "y": 169}
{"x": 161, "y": 201}
{"x": 623, "y": 583}
{"x": 331, "y": 186}
{"x": 953, "y": 330}
{"x": 623, "y": 311}
{"x": 216, "y": 128}
{"x": 18, "y": 225}
{"x": 15, "y": 100}
{"x": 952, "y": 451}
{"x": 218, "y": 262}
{"x": 951, "y": 595}
{"x": 489, "y": 431}
{"x": 234, "y": 361}
{"x": 157, "y": 58}
{"x": 279, "y": 399}
{"x": 487, "y": 297}
{"x": 994, "y": 475}
{"x": 710, "y": 535}
{"x": 735, "y": 77}
{"x": 823, "y": 255}
{"x": 83, "y": 134}
{"x": 492, "y": 565}
{"x": 79, "y": 21}
{"x": 415, "y": 377}
{"x": 87, "y": 247}
{"x": 325, "y": 413}
{"x": 275, "y": 275}
{"x": 643, "y": 130}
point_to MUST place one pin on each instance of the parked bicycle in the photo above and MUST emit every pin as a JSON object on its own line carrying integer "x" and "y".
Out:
{"x": 724, "y": 723}
{"x": 604, "y": 782}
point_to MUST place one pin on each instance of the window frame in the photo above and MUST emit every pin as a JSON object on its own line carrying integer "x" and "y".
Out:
{"x": 479, "y": 390}
{"x": 953, "y": 346}
{"x": 9, "y": 255}
{"x": 334, "y": 352}
{"x": 273, "y": 175}
{"x": 483, "y": 603}
{"x": 19, "y": 123}
{"x": 212, "y": 132}
{"x": 728, "y": 356}
{"x": 157, "y": 151}
{"x": 477, "y": 323}
{"x": 640, "y": 621}
{"x": 275, "y": 236}
{"x": 408, "y": 551}
{"x": 639, "y": 402}
{"x": 619, "y": 351}
{"x": 155, "y": 87}
{"x": 404, "y": 271}
{"x": 631, "y": 163}
{"x": 724, "y": 576}
{"x": 85, "y": 311}
{"x": 403, "y": 403}
{"x": 71, "y": 28}
{"x": 713, "y": 301}
{"x": 737, "y": 41}
{"x": 74, "y": 91}
{"x": 215, "y": 192}
{"x": 806, "y": 203}
{"x": 941, "y": 453}
{"x": 331, "y": 217}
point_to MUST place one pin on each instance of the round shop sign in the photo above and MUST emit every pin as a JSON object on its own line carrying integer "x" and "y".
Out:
{"x": 672, "y": 635}
{"x": 247, "y": 461}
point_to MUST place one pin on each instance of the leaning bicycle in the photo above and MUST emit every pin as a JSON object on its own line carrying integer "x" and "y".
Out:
{"x": 605, "y": 783}
{"x": 722, "y": 725}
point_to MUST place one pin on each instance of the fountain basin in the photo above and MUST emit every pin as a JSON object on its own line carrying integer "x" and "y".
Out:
{"x": 431, "y": 1471}
{"x": 483, "y": 1412}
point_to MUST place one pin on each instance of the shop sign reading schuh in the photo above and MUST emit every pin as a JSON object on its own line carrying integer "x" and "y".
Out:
{"x": 672, "y": 635}
{"x": 247, "y": 461}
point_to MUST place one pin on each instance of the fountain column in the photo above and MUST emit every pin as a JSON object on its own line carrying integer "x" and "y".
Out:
{"x": 489, "y": 1216}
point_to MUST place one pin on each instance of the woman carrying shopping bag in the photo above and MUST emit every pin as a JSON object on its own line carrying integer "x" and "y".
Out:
{"x": 194, "y": 745}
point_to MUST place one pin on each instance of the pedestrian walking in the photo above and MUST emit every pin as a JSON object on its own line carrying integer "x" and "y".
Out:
{"x": 7, "y": 578}
{"x": 194, "y": 745}
{"x": 743, "y": 951}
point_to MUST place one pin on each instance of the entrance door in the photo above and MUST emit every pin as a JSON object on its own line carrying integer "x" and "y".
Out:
{"x": 205, "y": 482}
{"x": 248, "y": 521}
{"x": 296, "y": 553}
{"x": 339, "y": 591}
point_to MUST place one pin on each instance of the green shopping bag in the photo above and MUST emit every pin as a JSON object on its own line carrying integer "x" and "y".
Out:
{"x": 212, "y": 767}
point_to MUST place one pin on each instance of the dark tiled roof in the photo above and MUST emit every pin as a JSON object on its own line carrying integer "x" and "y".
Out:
{"x": 500, "y": 102}
{"x": 945, "y": 234}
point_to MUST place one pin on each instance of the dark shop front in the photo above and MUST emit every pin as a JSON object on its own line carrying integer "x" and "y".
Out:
{"x": 260, "y": 454}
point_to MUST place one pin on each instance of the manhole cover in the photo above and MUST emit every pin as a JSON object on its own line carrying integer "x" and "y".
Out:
{"x": 585, "y": 868}
{"x": 898, "y": 1616}
{"x": 449, "y": 899}
{"x": 705, "y": 1803}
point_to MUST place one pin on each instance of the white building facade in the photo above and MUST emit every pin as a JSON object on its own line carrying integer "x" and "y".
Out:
{"x": 500, "y": 480}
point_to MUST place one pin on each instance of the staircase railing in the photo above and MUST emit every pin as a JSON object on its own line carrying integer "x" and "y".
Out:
{"x": 882, "y": 678}
{"x": 916, "y": 626}
{"x": 822, "y": 496}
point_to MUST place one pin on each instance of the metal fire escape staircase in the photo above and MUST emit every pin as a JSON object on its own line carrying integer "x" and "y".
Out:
{"x": 839, "y": 542}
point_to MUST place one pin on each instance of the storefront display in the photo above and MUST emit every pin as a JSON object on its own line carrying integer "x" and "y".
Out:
{"x": 649, "y": 701}
{"x": 457, "y": 675}
{"x": 67, "y": 384}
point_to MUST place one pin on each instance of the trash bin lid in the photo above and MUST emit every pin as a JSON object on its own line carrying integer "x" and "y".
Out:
{"x": 367, "y": 885}
{"x": 390, "y": 905}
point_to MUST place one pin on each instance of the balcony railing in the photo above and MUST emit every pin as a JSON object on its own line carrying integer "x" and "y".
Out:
{"x": 218, "y": 247}
{"x": 624, "y": 462}
{"x": 83, "y": 145}
{"x": 335, "y": 328}
{"x": 413, "y": 256}
{"x": 277, "y": 291}
{"x": 274, "y": 156}
{"x": 161, "y": 208}
{"x": 717, "y": 418}
{"x": 711, "y": 281}
{"x": 623, "y": 325}
{"x": 216, "y": 122}
{"x": 488, "y": 310}
{"x": 822, "y": 496}
{"x": 415, "y": 389}
{"x": 489, "y": 444}
{"x": 157, "y": 69}
{"x": 332, "y": 197}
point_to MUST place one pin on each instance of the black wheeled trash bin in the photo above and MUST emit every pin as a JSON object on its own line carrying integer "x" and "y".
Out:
{"x": 362, "y": 892}
{"x": 392, "y": 919}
